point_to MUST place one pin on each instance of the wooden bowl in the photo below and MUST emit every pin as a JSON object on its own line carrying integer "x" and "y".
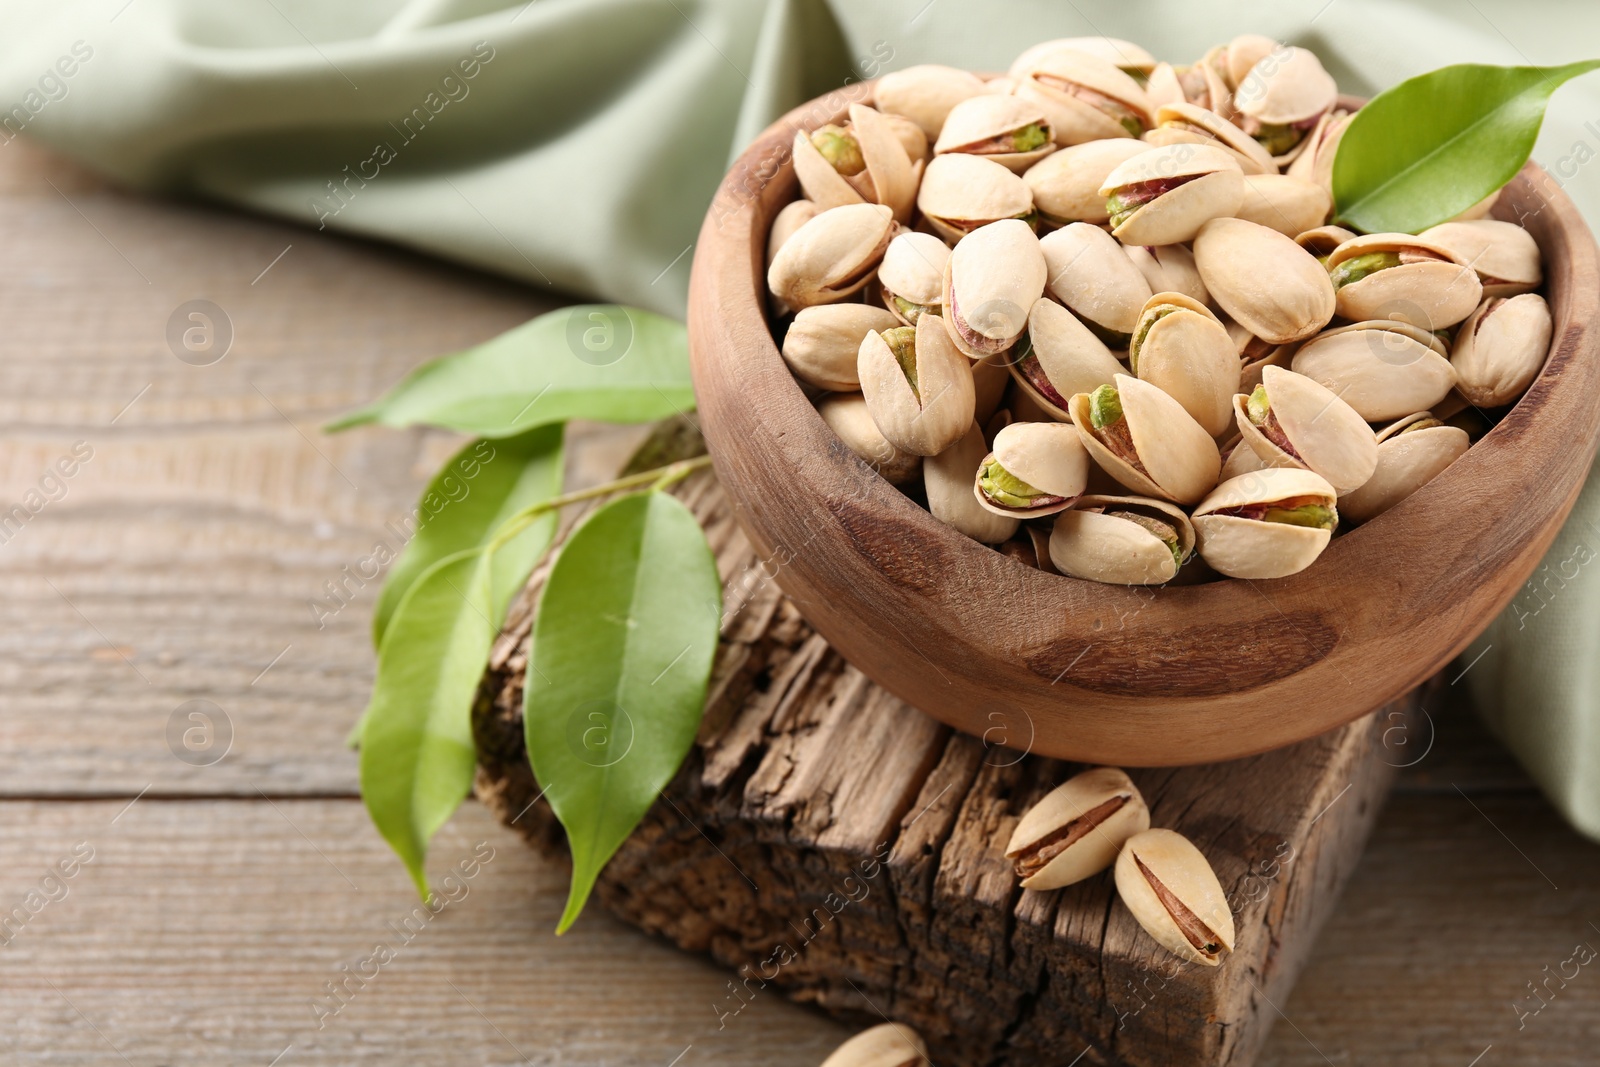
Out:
{"x": 1111, "y": 674}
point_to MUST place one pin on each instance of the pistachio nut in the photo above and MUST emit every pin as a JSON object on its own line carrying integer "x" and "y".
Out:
{"x": 1061, "y": 357}
{"x": 885, "y": 1045}
{"x": 847, "y": 416}
{"x": 911, "y": 138}
{"x": 1239, "y": 458}
{"x": 918, "y": 387}
{"x": 1282, "y": 98}
{"x": 948, "y": 479}
{"x": 962, "y": 192}
{"x": 1006, "y": 129}
{"x": 1238, "y": 57}
{"x": 1501, "y": 348}
{"x": 1314, "y": 162}
{"x": 787, "y": 222}
{"x": 1076, "y": 830}
{"x": 1204, "y": 86}
{"x": 1165, "y": 195}
{"x": 1504, "y": 255}
{"x": 1086, "y": 98}
{"x": 1162, "y": 87}
{"x": 1320, "y": 241}
{"x": 1035, "y": 469}
{"x": 1269, "y": 523}
{"x": 1090, "y": 273}
{"x": 990, "y": 377}
{"x": 823, "y": 341}
{"x": 1174, "y": 894}
{"x": 1289, "y": 205}
{"x": 1121, "y": 540}
{"x": 925, "y": 94}
{"x": 1292, "y": 421}
{"x": 1255, "y": 355}
{"x": 862, "y": 162}
{"x": 1411, "y": 453}
{"x": 1145, "y": 440}
{"x": 1263, "y": 280}
{"x": 1383, "y": 369}
{"x": 912, "y": 276}
{"x": 1066, "y": 184}
{"x": 1180, "y": 347}
{"x": 991, "y": 280}
{"x": 1169, "y": 269}
{"x": 1398, "y": 276}
{"x": 1124, "y": 55}
{"x": 831, "y": 257}
{"x": 1186, "y": 123}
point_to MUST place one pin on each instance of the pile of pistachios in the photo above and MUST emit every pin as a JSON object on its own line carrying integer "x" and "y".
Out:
{"x": 1093, "y": 312}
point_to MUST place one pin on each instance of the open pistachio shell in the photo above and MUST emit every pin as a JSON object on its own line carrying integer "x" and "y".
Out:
{"x": 1320, "y": 241}
{"x": 1239, "y": 458}
{"x": 961, "y": 192}
{"x": 917, "y": 386}
{"x": 948, "y": 479}
{"x": 1381, "y": 369}
{"x": 1281, "y": 99}
{"x": 1086, "y": 98}
{"x": 1090, "y": 273}
{"x": 831, "y": 257}
{"x": 1035, "y": 469}
{"x": 865, "y": 163}
{"x": 1314, "y": 161}
{"x": 1399, "y": 276}
{"x": 1204, "y": 86}
{"x": 1076, "y": 830}
{"x": 1255, "y": 525}
{"x": 787, "y": 222}
{"x": 1241, "y": 54}
{"x": 1169, "y": 269}
{"x": 1066, "y": 184}
{"x": 1411, "y": 453}
{"x": 1007, "y": 129}
{"x": 847, "y": 416}
{"x": 1263, "y": 280}
{"x": 1285, "y": 204}
{"x": 1063, "y": 358}
{"x": 1255, "y": 354}
{"x": 1166, "y": 859}
{"x": 886, "y": 1045}
{"x": 1121, "y": 540}
{"x": 1153, "y": 447}
{"x": 911, "y": 277}
{"x": 1500, "y": 349}
{"x": 991, "y": 281}
{"x": 925, "y": 94}
{"x": 1163, "y": 87}
{"x": 1305, "y": 424}
{"x": 1208, "y": 127}
{"x": 911, "y": 138}
{"x": 1180, "y": 347}
{"x": 888, "y": 163}
{"x": 823, "y": 341}
{"x": 1165, "y": 195}
{"x": 1504, "y": 255}
{"x": 1124, "y": 55}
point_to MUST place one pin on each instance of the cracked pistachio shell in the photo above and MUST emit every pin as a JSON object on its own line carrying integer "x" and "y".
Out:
{"x": 1168, "y": 859}
{"x": 1286, "y": 87}
{"x": 1263, "y": 280}
{"x": 1064, "y": 358}
{"x": 1163, "y": 87}
{"x": 823, "y": 341}
{"x": 1254, "y": 548}
{"x": 831, "y": 257}
{"x": 888, "y": 177}
{"x": 1169, "y": 269}
{"x": 1202, "y": 84}
{"x": 886, "y": 1045}
{"x": 1381, "y": 369}
{"x": 1091, "y": 541}
{"x": 847, "y": 416}
{"x": 1076, "y": 830}
{"x": 911, "y": 138}
{"x": 989, "y": 380}
{"x": 1212, "y": 186}
{"x": 930, "y": 418}
{"x": 991, "y": 280}
{"x": 1505, "y": 255}
{"x": 1176, "y": 459}
{"x": 787, "y": 222}
{"x": 1437, "y": 291}
{"x": 1048, "y": 456}
{"x": 961, "y": 192}
{"x": 1181, "y": 348}
{"x": 1255, "y": 355}
{"x": 1501, "y": 348}
{"x": 1326, "y": 434}
{"x": 1086, "y": 99}
{"x": 1285, "y": 204}
{"x": 1409, "y": 456}
{"x": 925, "y": 94}
{"x": 974, "y": 126}
{"x": 948, "y": 479}
{"x": 1090, "y": 273}
{"x": 1320, "y": 241}
{"x": 1124, "y": 55}
{"x": 1314, "y": 160}
{"x": 913, "y": 270}
{"x": 1239, "y": 57}
{"x": 1066, "y": 184}
{"x": 1239, "y": 458}
{"x": 1186, "y": 123}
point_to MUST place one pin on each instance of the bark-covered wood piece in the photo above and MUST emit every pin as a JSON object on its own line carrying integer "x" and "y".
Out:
{"x": 833, "y": 844}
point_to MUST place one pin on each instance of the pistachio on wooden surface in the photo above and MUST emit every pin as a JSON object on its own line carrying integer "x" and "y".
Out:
{"x": 1174, "y": 894}
{"x": 1077, "y": 829}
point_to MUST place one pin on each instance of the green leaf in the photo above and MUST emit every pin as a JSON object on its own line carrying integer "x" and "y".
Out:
{"x": 417, "y": 753}
{"x": 1433, "y": 146}
{"x": 594, "y": 361}
{"x": 622, "y": 649}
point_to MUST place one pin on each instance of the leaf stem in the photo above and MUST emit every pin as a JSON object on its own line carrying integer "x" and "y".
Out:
{"x": 656, "y": 478}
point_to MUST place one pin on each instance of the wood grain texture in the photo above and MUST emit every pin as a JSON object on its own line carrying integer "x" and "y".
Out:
{"x": 1129, "y": 676}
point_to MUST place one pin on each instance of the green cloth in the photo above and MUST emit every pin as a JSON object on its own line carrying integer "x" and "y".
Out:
{"x": 576, "y": 144}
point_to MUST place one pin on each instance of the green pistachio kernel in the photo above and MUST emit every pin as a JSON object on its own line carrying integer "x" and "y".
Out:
{"x": 1257, "y": 406}
{"x": 1028, "y": 138}
{"x": 1353, "y": 270}
{"x": 1133, "y": 124}
{"x": 1031, "y": 217}
{"x": 1162, "y": 530}
{"x": 1278, "y": 140}
{"x": 1112, "y": 339}
{"x": 1421, "y": 424}
{"x": 1005, "y": 488}
{"x": 1315, "y": 516}
{"x": 840, "y": 148}
{"x": 911, "y": 311}
{"x": 902, "y": 341}
{"x": 1119, "y": 209}
{"x": 1105, "y": 407}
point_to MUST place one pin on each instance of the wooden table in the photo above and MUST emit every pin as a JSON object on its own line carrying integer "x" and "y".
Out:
{"x": 213, "y": 898}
